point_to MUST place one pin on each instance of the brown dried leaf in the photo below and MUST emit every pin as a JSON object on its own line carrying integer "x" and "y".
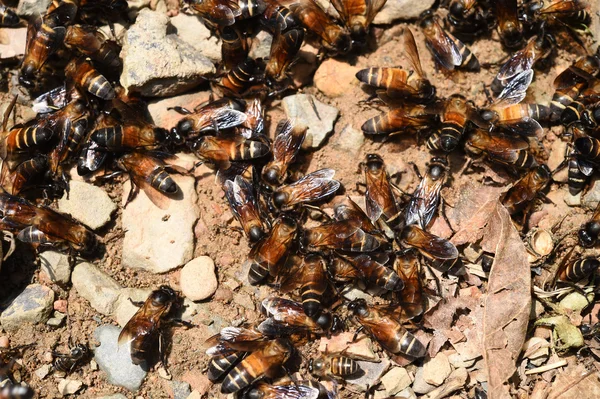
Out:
{"x": 575, "y": 383}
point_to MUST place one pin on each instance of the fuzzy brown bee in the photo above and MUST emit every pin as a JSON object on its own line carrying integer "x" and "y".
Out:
{"x": 221, "y": 150}
{"x": 428, "y": 244}
{"x": 500, "y": 148}
{"x": 14, "y": 182}
{"x": 312, "y": 187}
{"x": 287, "y": 143}
{"x": 423, "y": 204}
{"x": 398, "y": 121}
{"x": 235, "y": 46}
{"x": 357, "y": 16}
{"x": 376, "y": 273}
{"x": 521, "y": 119}
{"x": 80, "y": 73}
{"x": 240, "y": 80}
{"x": 342, "y": 235}
{"x": 526, "y": 189}
{"x": 216, "y": 115}
{"x": 380, "y": 198}
{"x": 333, "y": 366}
{"x": 244, "y": 204}
{"x": 284, "y": 390}
{"x": 411, "y": 298}
{"x": 90, "y": 42}
{"x": 216, "y": 12}
{"x": 509, "y": 27}
{"x": 284, "y": 49}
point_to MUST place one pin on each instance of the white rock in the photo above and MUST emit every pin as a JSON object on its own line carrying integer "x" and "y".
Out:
{"x": 28, "y": 8}
{"x": 198, "y": 279}
{"x": 436, "y": 370}
{"x": 43, "y": 371}
{"x": 372, "y": 373}
{"x": 97, "y": 287}
{"x": 419, "y": 385}
{"x": 401, "y": 9}
{"x": 261, "y": 45}
{"x": 362, "y": 348}
{"x": 408, "y": 393}
{"x": 87, "y": 203}
{"x": 33, "y": 305}
{"x": 572, "y": 200}
{"x": 124, "y": 309}
{"x": 160, "y": 240}
{"x": 68, "y": 387}
{"x": 301, "y": 107}
{"x": 350, "y": 140}
{"x": 557, "y": 156}
{"x": 396, "y": 380}
{"x": 156, "y": 64}
{"x": 13, "y": 42}
{"x": 191, "y": 30}
{"x": 56, "y": 266}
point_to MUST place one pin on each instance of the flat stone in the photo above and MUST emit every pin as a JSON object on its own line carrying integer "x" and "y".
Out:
{"x": 13, "y": 41}
{"x": 372, "y": 373}
{"x": 361, "y": 349}
{"x": 56, "y": 266}
{"x": 261, "y": 45}
{"x": 356, "y": 293}
{"x": 350, "y": 140}
{"x": 115, "y": 361}
{"x": 159, "y": 240}
{"x": 115, "y": 396}
{"x": 592, "y": 196}
{"x": 557, "y": 156}
{"x": 407, "y": 393}
{"x": 198, "y": 278}
{"x": 572, "y": 200}
{"x": 401, "y": 9}
{"x": 87, "y": 203}
{"x": 181, "y": 390}
{"x": 56, "y": 320}
{"x": 420, "y": 386}
{"x": 27, "y": 8}
{"x": 192, "y": 31}
{"x": 33, "y": 305}
{"x": 301, "y": 107}
{"x": 167, "y": 119}
{"x": 244, "y": 300}
{"x": 159, "y": 65}
{"x": 97, "y": 287}
{"x": 436, "y": 370}
{"x": 43, "y": 371}
{"x": 396, "y": 380}
{"x": 335, "y": 78}
{"x": 124, "y": 309}
{"x": 194, "y": 395}
{"x": 69, "y": 387}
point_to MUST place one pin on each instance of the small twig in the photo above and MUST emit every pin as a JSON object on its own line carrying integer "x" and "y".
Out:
{"x": 547, "y": 367}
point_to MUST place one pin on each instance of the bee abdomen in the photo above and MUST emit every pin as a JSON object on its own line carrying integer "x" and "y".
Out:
{"x": 580, "y": 269}
{"x": 237, "y": 379}
{"x": 110, "y": 137}
{"x": 257, "y": 273}
{"x": 219, "y": 365}
{"x": 410, "y": 345}
{"x": 98, "y": 85}
{"x": 162, "y": 181}
{"x": 343, "y": 366}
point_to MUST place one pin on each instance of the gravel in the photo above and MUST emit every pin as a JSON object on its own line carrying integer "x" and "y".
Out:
{"x": 33, "y": 305}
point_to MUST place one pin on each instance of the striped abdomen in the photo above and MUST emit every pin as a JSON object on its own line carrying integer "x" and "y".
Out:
{"x": 26, "y": 171}
{"x": 469, "y": 61}
{"x": 579, "y": 269}
{"x": 563, "y": 98}
{"x": 384, "y": 78}
{"x": 161, "y": 180}
{"x": 588, "y": 147}
{"x": 240, "y": 77}
{"x": 408, "y": 344}
{"x": 21, "y": 139}
{"x": 314, "y": 284}
{"x": 219, "y": 365}
{"x": 343, "y": 366}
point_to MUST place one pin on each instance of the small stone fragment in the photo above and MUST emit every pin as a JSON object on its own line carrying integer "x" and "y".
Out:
{"x": 115, "y": 396}
{"x": 372, "y": 374}
{"x": 56, "y": 266}
{"x": 97, "y": 287}
{"x": 87, "y": 203}
{"x": 419, "y": 385}
{"x": 536, "y": 350}
{"x": 318, "y": 117}
{"x": 28, "y": 8}
{"x": 261, "y": 45}
{"x": 198, "y": 279}
{"x": 115, "y": 360}
{"x": 43, "y": 371}
{"x": 572, "y": 200}
{"x": 124, "y": 309}
{"x": 455, "y": 381}
{"x": 181, "y": 390}
{"x": 192, "y": 31}
{"x": 33, "y": 305}
{"x": 244, "y": 300}
{"x": 437, "y": 369}
{"x": 12, "y": 42}
{"x": 401, "y": 9}
{"x": 592, "y": 196}
{"x": 68, "y": 387}
{"x": 56, "y": 319}
{"x": 350, "y": 139}
{"x": 4, "y": 342}
{"x": 194, "y": 395}
{"x": 396, "y": 380}
{"x": 335, "y": 78}
{"x": 541, "y": 242}
{"x": 362, "y": 348}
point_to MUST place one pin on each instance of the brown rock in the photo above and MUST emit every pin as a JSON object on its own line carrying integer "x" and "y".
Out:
{"x": 335, "y": 78}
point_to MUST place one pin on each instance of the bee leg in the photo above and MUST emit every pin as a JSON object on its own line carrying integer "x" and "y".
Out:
{"x": 138, "y": 304}
{"x": 180, "y": 110}
{"x": 443, "y": 205}
{"x": 360, "y": 184}
{"x": 182, "y": 323}
{"x": 358, "y": 331}
{"x": 132, "y": 193}
{"x": 10, "y": 238}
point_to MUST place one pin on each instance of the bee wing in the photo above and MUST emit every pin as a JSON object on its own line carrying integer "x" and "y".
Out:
{"x": 563, "y": 7}
{"x": 234, "y": 339}
{"x": 524, "y": 127}
{"x": 225, "y": 118}
{"x": 241, "y": 197}
{"x": 340, "y": 7}
{"x": 585, "y": 167}
{"x": 286, "y": 317}
{"x": 292, "y": 391}
{"x": 424, "y": 203}
{"x": 570, "y": 77}
{"x": 514, "y": 92}
{"x": 373, "y": 7}
{"x": 518, "y": 64}
{"x": 289, "y": 276}
{"x": 288, "y": 141}
{"x": 128, "y": 332}
{"x": 313, "y": 187}
{"x": 434, "y": 246}
{"x": 444, "y": 49}
{"x": 410, "y": 47}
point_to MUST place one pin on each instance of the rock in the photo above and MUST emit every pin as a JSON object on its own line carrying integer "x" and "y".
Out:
{"x": 198, "y": 278}
{"x": 181, "y": 390}
{"x": 60, "y": 305}
{"x": 396, "y": 380}
{"x": 167, "y": 119}
{"x": 261, "y": 45}
{"x": 455, "y": 381}
{"x": 56, "y": 319}
{"x": 592, "y": 196}
{"x": 244, "y": 300}
{"x": 335, "y": 78}
{"x": 197, "y": 380}
{"x": 101, "y": 290}
{"x": 12, "y": 42}
{"x": 408, "y": 393}
{"x": 437, "y": 369}
{"x": 33, "y": 305}
{"x": 68, "y": 387}
{"x": 301, "y": 107}
{"x": 28, "y": 8}
{"x": 115, "y": 396}
{"x": 4, "y": 342}
{"x": 356, "y": 293}
{"x": 56, "y": 266}
{"x": 192, "y": 31}
{"x": 557, "y": 156}
{"x": 115, "y": 361}
{"x": 371, "y": 373}
{"x": 362, "y": 348}
{"x": 572, "y": 200}
{"x": 401, "y": 9}
{"x": 595, "y": 25}
{"x": 350, "y": 140}
{"x": 43, "y": 371}
{"x": 159, "y": 65}
{"x": 160, "y": 244}
{"x": 194, "y": 395}
{"x": 124, "y": 309}
{"x": 419, "y": 385}
{"x": 87, "y": 203}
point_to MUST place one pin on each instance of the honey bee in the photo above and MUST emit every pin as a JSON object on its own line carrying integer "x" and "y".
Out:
{"x": 234, "y": 48}
{"x": 468, "y": 17}
{"x": 81, "y": 74}
{"x": 144, "y": 329}
{"x": 312, "y": 187}
{"x": 509, "y": 27}
{"x": 287, "y": 143}
{"x": 380, "y": 198}
{"x": 16, "y": 181}
{"x": 284, "y": 49}
{"x": 588, "y": 147}
{"x": 221, "y": 364}
{"x": 343, "y": 235}
{"x": 398, "y": 121}
{"x": 380, "y": 322}
{"x": 588, "y": 233}
{"x": 277, "y": 18}
{"x": 349, "y": 210}
{"x": 521, "y": 119}
{"x": 448, "y": 52}
{"x": 216, "y": 12}
{"x": 266, "y": 254}
{"x": 357, "y": 16}
{"x": 9, "y": 369}
{"x": 578, "y": 270}
{"x": 286, "y": 390}
{"x": 410, "y": 299}
{"x": 8, "y": 17}
{"x": 243, "y": 203}
{"x": 570, "y": 12}
{"x": 376, "y": 273}
{"x": 399, "y": 83}
{"x": 341, "y": 270}
{"x": 215, "y": 115}
{"x": 221, "y": 150}
{"x": 424, "y": 202}
{"x": 333, "y": 366}
{"x": 240, "y": 80}
{"x": 92, "y": 43}
{"x": 287, "y": 317}
{"x": 68, "y": 363}
{"x": 501, "y": 148}
{"x": 429, "y": 245}
{"x": 526, "y": 189}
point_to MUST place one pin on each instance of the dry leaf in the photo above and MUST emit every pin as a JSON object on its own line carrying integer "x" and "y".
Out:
{"x": 575, "y": 383}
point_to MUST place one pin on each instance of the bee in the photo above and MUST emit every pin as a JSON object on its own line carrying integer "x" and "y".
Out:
{"x": 588, "y": 233}
{"x": 144, "y": 328}
{"x": 376, "y": 273}
{"x": 243, "y": 203}
{"x": 333, "y": 366}
{"x": 343, "y": 235}
{"x": 277, "y": 18}
{"x": 509, "y": 27}
{"x": 287, "y": 143}
{"x": 424, "y": 202}
{"x": 526, "y": 189}
{"x": 588, "y": 147}
{"x": 287, "y": 317}
{"x": 578, "y": 270}
{"x": 521, "y": 119}
{"x": 398, "y": 121}
{"x": 410, "y": 299}
{"x": 570, "y": 12}
{"x": 399, "y": 83}
{"x": 9, "y": 371}
{"x": 448, "y": 52}
{"x": 266, "y": 254}
{"x": 221, "y": 150}
{"x": 221, "y": 364}
{"x": 81, "y": 74}
{"x": 216, "y": 12}
{"x": 312, "y": 187}
{"x": 380, "y": 322}
{"x": 511, "y": 83}
{"x": 501, "y": 148}
{"x": 429, "y": 245}
{"x": 579, "y": 170}
{"x": 240, "y": 80}
{"x": 591, "y": 116}
{"x": 92, "y": 43}
{"x": 216, "y": 115}
{"x": 235, "y": 46}
{"x": 149, "y": 172}
{"x": 380, "y": 198}
{"x": 349, "y": 210}
{"x": 341, "y": 270}
{"x": 68, "y": 363}
{"x": 16, "y": 181}
{"x": 334, "y": 38}
{"x": 284, "y": 49}
{"x": 104, "y": 11}
{"x": 8, "y": 17}
{"x": 357, "y": 16}
{"x": 467, "y": 17}
{"x": 285, "y": 390}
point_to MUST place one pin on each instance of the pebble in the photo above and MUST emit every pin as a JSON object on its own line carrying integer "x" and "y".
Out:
{"x": 396, "y": 380}
{"x": 198, "y": 381}
{"x": 261, "y": 45}
{"x": 572, "y": 200}
{"x": 301, "y": 107}
{"x": 12, "y": 42}
{"x": 192, "y": 31}
{"x": 592, "y": 196}
{"x": 159, "y": 65}
{"x": 407, "y": 393}
{"x": 4, "y": 342}
{"x": 181, "y": 390}
{"x": 455, "y": 381}
{"x": 33, "y": 305}
{"x": 362, "y": 348}
{"x": 92, "y": 284}
{"x": 372, "y": 373}
{"x": 401, "y": 9}
{"x": 350, "y": 140}
{"x": 167, "y": 119}
{"x": 124, "y": 309}
{"x": 557, "y": 156}
{"x": 87, "y": 203}
{"x": 43, "y": 371}
{"x": 335, "y": 78}
{"x": 60, "y": 305}
{"x": 198, "y": 278}
{"x": 28, "y": 8}
{"x": 56, "y": 266}
{"x": 436, "y": 370}
{"x": 244, "y": 300}
{"x": 160, "y": 245}
{"x": 356, "y": 293}
{"x": 115, "y": 396}
{"x": 194, "y": 395}
{"x": 115, "y": 361}
{"x": 536, "y": 350}
{"x": 68, "y": 387}
{"x": 419, "y": 385}
{"x": 56, "y": 319}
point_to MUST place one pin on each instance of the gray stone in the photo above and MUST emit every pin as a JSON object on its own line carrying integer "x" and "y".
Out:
{"x": 115, "y": 396}
{"x": 87, "y": 203}
{"x": 56, "y": 266}
{"x": 192, "y": 31}
{"x": 261, "y": 45}
{"x": 28, "y": 8}
{"x": 401, "y": 9}
{"x": 181, "y": 390}
{"x": 124, "y": 309}
{"x": 68, "y": 387}
{"x": 33, "y": 305}
{"x": 396, "y": 380}
{"x": 156, "y": 64}
{"x": 350, "y": 140}
{"x": 371, "y": 374}
{"x": 407, "y": 393}
{"x": 43, "y": 371}
{"x": 56, "y": 319}
{"x": 301, "y": 108}
{"x": 101, "y": 290}
{"x": 115, "y": 360}
{"x": 160, "y": 243}
{"x": 592, "y": 196}
{"x": 198, "y": 278}
{"x": 419, "y": 385}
